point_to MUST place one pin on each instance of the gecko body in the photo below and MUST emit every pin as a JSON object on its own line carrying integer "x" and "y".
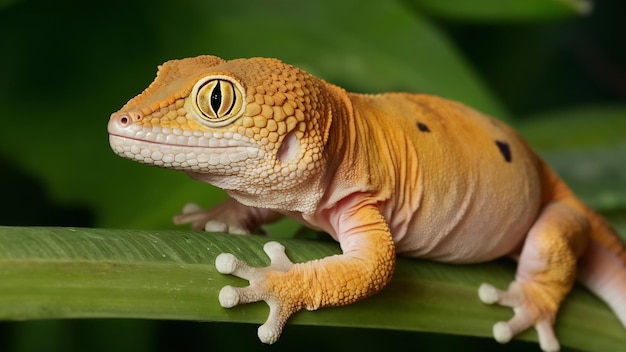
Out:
{"x": 386, "y": 174}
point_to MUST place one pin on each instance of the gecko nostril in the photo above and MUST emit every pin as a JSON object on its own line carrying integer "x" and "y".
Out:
{"x": 127, "y": 118}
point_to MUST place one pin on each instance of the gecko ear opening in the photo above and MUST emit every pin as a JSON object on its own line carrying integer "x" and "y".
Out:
{"x": 289, "y": 148}
{"x": 218, "y": 99}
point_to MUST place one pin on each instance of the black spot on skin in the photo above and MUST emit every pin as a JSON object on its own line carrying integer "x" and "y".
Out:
{"x": 423, "y": 127}
{"x": 505, "y": 150}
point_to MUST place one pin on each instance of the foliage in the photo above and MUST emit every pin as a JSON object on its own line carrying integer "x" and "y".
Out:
{"x": 66, "y": 67}
{"x": 72, "y": 273}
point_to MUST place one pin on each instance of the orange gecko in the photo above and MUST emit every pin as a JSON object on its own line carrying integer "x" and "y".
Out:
{"x": 385, "y": 174}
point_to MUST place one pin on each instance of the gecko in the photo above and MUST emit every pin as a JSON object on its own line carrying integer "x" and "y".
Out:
{"x": 390, "y": 174}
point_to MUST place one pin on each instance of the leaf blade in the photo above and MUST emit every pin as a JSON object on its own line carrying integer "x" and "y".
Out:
{"x": 586, "y": 146}
{"x": 65, "y": 145}
{"x": 505, "y": 10}
{"x": 63, "y": 273}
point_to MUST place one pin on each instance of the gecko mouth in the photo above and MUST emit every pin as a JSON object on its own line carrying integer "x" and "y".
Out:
{"x": 216, "y": 145}
{"x": 226, "y": 155}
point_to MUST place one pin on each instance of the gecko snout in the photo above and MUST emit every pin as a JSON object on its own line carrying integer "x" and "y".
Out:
{"x": 126, "y": 118}
{"x": 122, "y": 120}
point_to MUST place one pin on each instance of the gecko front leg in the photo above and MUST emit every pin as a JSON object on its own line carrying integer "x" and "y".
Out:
{"x": 228, "y": 217}
{"x": 363, "y": 269}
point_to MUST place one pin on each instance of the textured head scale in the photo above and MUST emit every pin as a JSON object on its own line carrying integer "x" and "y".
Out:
{"x": 259, "y": 119}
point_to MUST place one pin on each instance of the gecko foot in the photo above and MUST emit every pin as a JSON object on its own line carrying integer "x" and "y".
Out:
{"x": 528, "y": 312}
{"x": 261, "y": 288}
{"x": 211, "y": 220}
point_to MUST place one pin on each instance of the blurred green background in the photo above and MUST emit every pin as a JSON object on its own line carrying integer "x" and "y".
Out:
{"x": 556, "y": 74}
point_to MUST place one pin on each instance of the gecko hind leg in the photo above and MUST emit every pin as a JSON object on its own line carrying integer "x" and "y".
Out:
{"x": 545, "y": 274}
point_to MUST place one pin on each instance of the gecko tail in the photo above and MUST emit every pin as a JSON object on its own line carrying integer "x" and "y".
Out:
{"x": 603, "y": 266}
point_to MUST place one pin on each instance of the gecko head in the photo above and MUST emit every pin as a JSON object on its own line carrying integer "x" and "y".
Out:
{"x": 246, "y": 125}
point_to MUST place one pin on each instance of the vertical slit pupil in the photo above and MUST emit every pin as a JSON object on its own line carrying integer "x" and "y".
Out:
{"x": 216, "y": 98}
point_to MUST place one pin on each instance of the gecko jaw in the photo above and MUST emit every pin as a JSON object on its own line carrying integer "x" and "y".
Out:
{"x": 222, "y": 158}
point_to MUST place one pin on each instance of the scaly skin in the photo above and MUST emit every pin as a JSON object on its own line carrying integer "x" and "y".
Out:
{"x": 383, "y": 174}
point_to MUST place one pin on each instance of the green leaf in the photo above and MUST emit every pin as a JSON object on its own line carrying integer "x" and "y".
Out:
{"x": 369, "y": 47}
{"x": 8, "y": 3}
{"x": 504, "y": 10}
{"x": 70, "y": 273}
{"x": 583, "y": 127}
{"x": 587, "y": 148}
{"x": 57, "y": 132}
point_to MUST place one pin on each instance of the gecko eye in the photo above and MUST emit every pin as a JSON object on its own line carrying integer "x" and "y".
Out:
{"x": 218, "y": 99}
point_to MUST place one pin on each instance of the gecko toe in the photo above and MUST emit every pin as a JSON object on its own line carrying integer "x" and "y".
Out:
{"x": 191, "y": 208}
{"x": 281, "y": 307}
{"x": 547, "y": 338}
{"x": 191, "y": 214}
{"x": 529, "y": 312}
{"x": 513, "y": 296}
{"x": 215, "y": 226}
{"x": 237, "y": 230}
{"x": 502, "y": 332}
{"x": 268, "y": 334}
{"x": 219, "y": 226}
{"x": 223, "y": 219}
{"x": 274, "y": 248}
{"x": 279, "y": 313}
{"x": 232, "y": 296}
{"x": 226, "y": 263}
{"x": 228, "y": 297}
{"x": 488, "y": 294}
{"x": 279, "y": 260}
